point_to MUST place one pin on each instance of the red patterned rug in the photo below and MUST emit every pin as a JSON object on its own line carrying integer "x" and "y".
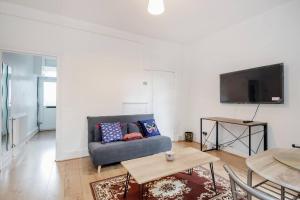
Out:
{"x": 180, "y": 186}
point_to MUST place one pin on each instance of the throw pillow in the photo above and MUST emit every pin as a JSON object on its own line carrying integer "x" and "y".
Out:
{"x": 149, "y": 128}
{"x": 133, "y": 128}
{"x": 111, "y": 132}
{"x": 132, "y": 136}
{"x": 98, "y": 132}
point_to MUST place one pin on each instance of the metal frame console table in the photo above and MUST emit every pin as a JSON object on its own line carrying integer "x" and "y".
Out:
{"x": 249, "y": 125}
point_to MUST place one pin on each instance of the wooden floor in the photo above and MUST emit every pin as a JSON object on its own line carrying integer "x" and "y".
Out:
{"x": 34, "y": 175}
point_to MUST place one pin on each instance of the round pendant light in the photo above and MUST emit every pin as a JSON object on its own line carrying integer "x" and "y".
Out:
{"x": 156, "y": 7}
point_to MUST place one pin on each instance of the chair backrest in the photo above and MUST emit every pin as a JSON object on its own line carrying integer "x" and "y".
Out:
{"x": 236, "y": 181}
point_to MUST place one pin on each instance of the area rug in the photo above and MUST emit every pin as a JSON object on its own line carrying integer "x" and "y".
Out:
{"x": 180, "y": 186}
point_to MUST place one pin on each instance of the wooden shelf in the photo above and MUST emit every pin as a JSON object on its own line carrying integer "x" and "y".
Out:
{"x": 234, "y": 121}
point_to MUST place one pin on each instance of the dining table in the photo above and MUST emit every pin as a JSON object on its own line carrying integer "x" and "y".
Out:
{"x": 269, "y": 166}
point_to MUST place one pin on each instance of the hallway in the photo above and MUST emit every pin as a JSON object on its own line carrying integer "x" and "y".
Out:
{"x": 32, "y": 171}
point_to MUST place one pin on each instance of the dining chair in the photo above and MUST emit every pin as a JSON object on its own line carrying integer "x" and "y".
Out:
{"x": 236, "y": 181}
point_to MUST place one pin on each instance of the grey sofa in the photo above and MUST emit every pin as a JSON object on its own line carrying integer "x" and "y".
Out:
{"x": 104, "y": 154}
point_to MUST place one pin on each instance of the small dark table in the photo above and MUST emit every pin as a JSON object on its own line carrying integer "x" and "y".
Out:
{"x": 219, "y": 120}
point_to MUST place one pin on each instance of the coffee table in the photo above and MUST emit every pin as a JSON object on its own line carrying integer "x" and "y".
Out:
{"x": 154, "y": 167}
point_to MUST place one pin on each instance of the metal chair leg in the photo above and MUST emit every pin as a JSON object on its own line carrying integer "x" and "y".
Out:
{"x": 282, "y": 193}
{"x": 249, "y": 182}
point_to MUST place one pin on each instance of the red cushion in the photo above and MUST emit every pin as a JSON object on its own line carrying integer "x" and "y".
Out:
{"x": 132, "y": 136}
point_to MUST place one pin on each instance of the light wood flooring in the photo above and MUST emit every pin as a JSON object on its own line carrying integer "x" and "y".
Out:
{"x": 34, "y": 175}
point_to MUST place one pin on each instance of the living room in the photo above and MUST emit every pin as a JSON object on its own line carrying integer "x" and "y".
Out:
{"x": 132, "y": 57}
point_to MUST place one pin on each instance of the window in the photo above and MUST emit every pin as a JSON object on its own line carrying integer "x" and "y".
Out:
{"x": 49, "y": 93}
{"x": 48, "y": 71}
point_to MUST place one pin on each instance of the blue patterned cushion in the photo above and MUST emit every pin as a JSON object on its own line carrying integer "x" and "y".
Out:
{"x": 111, "y": 132}
{"x": 149, "y": 128}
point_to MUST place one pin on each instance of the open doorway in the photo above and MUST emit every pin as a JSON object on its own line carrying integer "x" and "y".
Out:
{"x": 28, "y": 99}
{"x": 47, "y": 95}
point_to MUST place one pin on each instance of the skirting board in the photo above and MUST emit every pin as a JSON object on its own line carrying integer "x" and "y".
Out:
{"x": 62, "y": 156}
{"x": 229, "y": 150}
{"x": 235, "y": 152}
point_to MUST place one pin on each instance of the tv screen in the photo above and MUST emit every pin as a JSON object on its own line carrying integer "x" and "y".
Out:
{"x": 263, "y": 85}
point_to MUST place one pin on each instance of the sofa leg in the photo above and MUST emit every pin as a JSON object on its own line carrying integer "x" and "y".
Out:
{"x": 99, "y": 169}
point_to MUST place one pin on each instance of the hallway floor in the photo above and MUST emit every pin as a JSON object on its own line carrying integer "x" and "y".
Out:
{"x": 30, "y": 172}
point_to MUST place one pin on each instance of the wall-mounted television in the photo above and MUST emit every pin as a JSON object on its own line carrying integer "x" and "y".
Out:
{"x": 261, "y": 85}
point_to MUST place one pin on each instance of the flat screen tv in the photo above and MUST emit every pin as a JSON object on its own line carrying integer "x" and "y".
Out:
{"x": 261, "y": 85}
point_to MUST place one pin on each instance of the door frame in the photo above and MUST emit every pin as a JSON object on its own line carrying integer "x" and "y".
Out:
{"x": 8, "y": 156}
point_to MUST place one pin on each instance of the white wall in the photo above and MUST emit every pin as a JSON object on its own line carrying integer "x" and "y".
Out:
{"x": 99, "y": 68}
{"x": 23, "y": 93}
{"x": 266, "y": 39}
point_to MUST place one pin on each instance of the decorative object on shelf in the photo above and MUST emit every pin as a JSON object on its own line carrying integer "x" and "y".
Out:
{"x": 189, "y": 136}
{"x": 156, "y": 7}
{"x": 170, "y": 156}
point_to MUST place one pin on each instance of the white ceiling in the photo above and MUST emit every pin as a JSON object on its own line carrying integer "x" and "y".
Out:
{"x": 183, "y": 21}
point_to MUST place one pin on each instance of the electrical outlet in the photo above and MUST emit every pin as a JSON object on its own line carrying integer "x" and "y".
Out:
{"x": 204, "y": 133}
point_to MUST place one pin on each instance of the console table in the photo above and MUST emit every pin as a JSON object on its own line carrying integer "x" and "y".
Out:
{"x": 249, "y": 125}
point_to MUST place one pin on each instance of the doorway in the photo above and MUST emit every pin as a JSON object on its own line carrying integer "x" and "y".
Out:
{"x": 28, "y": 99}
{"x": 46, "y": 103}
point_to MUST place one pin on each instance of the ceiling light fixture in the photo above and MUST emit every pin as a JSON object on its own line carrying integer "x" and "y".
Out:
{"x": 156, "y": 7}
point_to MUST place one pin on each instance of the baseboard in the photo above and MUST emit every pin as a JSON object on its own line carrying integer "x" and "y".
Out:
{"x": 235, "y": 152}
{"x": 71, "y": 155}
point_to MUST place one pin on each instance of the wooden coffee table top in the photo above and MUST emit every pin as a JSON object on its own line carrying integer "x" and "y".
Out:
{"x": 153, "y": 167}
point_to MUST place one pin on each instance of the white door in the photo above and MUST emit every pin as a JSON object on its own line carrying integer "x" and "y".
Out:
{"x": 47, "y": 103}
{"x": 163, "y": 94}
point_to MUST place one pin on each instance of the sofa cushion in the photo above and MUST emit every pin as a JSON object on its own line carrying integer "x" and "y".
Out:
{"x": 134, "y": 127}
{"x": 149, "y": 128}
{"x": 124, "y": 128}
{"x": 111, "y": 132}
{"x": 103, "y": 154}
